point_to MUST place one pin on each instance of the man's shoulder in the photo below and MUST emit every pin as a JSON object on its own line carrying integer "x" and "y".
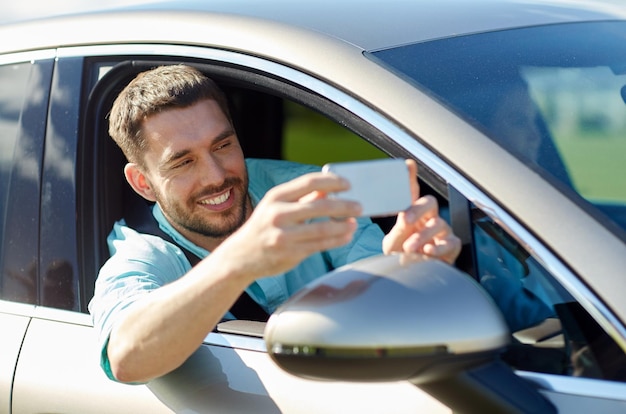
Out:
{"x": 129, "y": 247}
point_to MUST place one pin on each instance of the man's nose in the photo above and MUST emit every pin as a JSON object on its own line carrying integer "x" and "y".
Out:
{"x": 212, "y": 172}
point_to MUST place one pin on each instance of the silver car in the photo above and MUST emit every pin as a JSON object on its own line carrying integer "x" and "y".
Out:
{"x": 515, "y": 112}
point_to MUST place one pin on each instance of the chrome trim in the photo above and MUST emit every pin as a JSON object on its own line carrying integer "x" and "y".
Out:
{"x": 22, "y": 57}
{"x": 580, "y": 387}
{"x": 235, "y": 341}
{"x": 586, "y": 298}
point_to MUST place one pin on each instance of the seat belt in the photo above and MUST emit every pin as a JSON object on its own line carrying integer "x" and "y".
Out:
{"x": 140, "y": 218}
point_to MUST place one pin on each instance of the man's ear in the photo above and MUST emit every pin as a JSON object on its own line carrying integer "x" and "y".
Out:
{"x": 138, "y": 181}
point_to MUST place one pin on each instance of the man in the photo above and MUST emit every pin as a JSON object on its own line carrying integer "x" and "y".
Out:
{"x": 263, "y": 223}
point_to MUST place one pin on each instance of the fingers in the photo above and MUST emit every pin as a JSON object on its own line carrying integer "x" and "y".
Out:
{"x": 446, "y": 249}
{"x": 317, "y": 183}
{"x": 304, "y": 198}
{"x": 420, "y": 229}
{"x": 321, "y": 235}
{"x": 415, "y": 190}
{"x": 436, "y": 239}
{"x": 271, "y": 249}
{"x": 292, "y": 222}
{"x": 411, "y": 221}
{"x": 303, "y": 211}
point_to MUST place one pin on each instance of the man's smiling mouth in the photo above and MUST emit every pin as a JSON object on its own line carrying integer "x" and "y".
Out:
{"x": 217, "y": 200}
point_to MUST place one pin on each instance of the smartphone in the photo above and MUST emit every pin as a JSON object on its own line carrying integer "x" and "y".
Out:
{"x": 382, "y": 187}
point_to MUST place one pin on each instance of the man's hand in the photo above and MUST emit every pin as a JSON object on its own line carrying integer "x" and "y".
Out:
{"x": 420, "y": 229}
{"x": 280, "y": 232}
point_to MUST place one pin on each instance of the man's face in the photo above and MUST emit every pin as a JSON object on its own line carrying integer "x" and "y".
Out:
{"x": 196, "y": 170}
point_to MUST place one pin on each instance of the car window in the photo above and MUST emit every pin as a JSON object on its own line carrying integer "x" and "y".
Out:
{"x": 13, "y": 83}
{"x": 268, "y": 126}
{"x": 13, "y": 80}
{"x": 585, "y": 112}
{"x": 553, "y": 96}
{"x": 552, "y": 333}
{"x": 311, "y": 138}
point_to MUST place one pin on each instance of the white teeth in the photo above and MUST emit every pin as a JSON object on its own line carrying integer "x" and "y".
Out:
{"x": 217, "y": 200}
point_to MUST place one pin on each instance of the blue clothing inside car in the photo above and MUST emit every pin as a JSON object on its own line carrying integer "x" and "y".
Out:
{"x": 140, "y": 263}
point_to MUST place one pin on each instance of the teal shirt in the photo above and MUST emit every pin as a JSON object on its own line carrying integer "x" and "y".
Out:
{"x": 140, "y": 263}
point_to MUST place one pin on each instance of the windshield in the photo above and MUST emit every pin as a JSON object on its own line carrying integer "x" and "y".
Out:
{"x": 554, "y": 96}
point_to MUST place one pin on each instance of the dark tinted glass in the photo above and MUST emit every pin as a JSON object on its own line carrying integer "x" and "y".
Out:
{"x": 552, "y": 333}
{"x": 24, "y": 98}
{"x": 13, "y": 82}
{"x": 553, "y": 96}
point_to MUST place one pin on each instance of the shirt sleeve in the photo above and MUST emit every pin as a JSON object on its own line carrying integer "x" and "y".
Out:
{"x": 138, "y": 265}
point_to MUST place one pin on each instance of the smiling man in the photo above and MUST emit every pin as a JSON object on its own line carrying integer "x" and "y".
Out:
{"x": 260, "y": 226}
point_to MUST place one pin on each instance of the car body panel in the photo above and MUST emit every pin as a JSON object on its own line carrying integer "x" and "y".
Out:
{"x": 268, "y": 39}
{"x": 582, "y": 395}
{"x": 14, "y": 327}
{"x": 344, "y": 20}
{"x": 215, "y": 378}
{"x": 219, "y": 386}
{"x": 45, "y": 374}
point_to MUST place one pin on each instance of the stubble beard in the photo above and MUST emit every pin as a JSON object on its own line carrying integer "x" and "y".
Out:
{"x": 220, "y": 225}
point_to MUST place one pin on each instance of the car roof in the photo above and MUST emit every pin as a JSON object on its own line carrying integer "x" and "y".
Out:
{"x": 368, "y": 25}
{"x": 380, "y": 24}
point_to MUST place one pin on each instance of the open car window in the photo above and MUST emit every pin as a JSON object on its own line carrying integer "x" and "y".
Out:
{"x": 273, "y": 120}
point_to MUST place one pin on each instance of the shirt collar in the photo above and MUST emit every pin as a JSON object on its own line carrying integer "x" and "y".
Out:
{"x": 175, "y": 235}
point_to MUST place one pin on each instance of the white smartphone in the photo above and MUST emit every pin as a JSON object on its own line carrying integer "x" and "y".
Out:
{"x": 382, "y": 187}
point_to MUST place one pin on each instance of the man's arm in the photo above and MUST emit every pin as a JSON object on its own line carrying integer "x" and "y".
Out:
{"x": 160, "y": 330}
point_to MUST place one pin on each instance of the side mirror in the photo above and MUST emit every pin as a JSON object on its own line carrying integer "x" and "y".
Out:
{"x": 401, "y": 317}
{"x": 387, "y": 318}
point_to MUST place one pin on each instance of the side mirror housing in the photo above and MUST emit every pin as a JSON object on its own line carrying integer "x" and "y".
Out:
{"x": 387, "y": 318}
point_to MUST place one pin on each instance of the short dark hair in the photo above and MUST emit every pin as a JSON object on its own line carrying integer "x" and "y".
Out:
{"x": 153, "y": 91}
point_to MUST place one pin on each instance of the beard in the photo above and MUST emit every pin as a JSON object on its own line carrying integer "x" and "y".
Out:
{"x": 220, "y": 224}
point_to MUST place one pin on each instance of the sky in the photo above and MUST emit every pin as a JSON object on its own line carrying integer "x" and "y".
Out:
{"x": 27, "y": 9}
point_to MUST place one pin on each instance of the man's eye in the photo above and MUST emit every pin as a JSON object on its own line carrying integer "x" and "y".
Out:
{"x": 222, "y": 146}
{"x": 181, "y": 164}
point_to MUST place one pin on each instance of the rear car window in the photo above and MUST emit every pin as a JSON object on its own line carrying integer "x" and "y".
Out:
{"x": 13, "y": 82}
